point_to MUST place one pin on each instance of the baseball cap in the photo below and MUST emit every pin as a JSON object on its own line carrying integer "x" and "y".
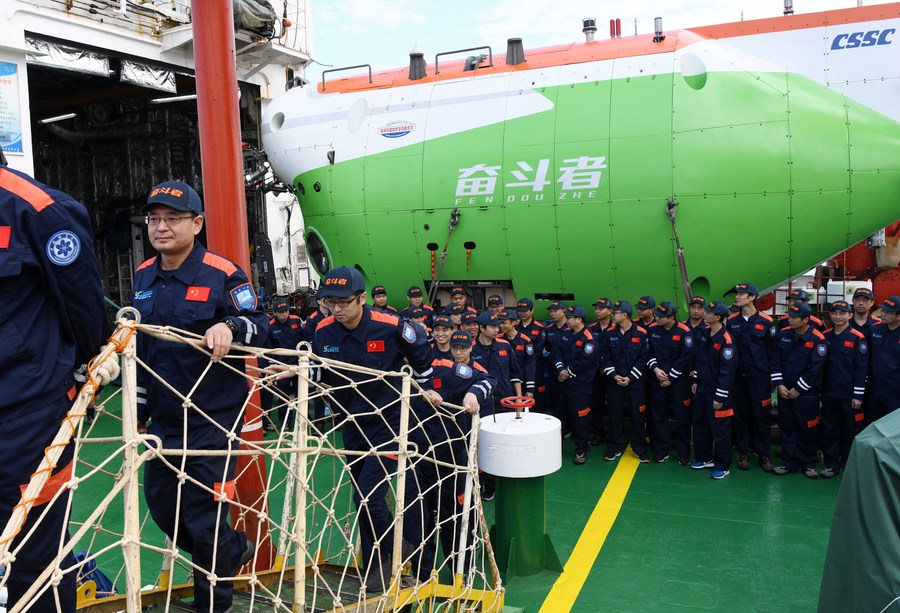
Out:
{"x": 576, "y": 311}
{"x": 798, "y": 294}
{"x": 467, "y": 317}
{"x": 891, "y": 304}
{"x": 441, "y": 320}
{"x": 487, "y": 319}
{"x": 417, "y": 312}
{"x": 454, "y": 309}
{"x": 494, "y": 300}
{"x": 378, "y": 290}
{"x": 799, "y": 309}
{"x": 505, "y": 314}
{"x": 603, "y": 303}
{"x": 280, "y": 304}
{"x": 460, "y": 338}
{"x": 175, "y": 195}
{"x": 646, "y": 302}
{"x": 698, "y": 300}
{"x": 718, "y": 308}
{"x": 746, "y": 288}
{"x": 414, "y": 291}
{"x": 840, "y": 305}
{"x": 557, "y": 305}
{"x": 863, "y": 292}
{"x": 457, "y": 289}
{"x": 666, "y": 309}
{"x": 341, "y": 282}
{"x": 524, "y": 304}
{"x": 622, "y": 305}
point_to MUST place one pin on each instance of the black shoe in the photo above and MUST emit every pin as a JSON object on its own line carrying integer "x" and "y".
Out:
{"x": 661, "y": 459}
{"x": 829, "y": 473}
{"x": 488, "y": 494}
{"x": 684, "y": 461}
{"x": 766, "y": 464}
{"x": 580, "y": 458}
{"x": 810, "y": 473}
{"x": 378, "y": 579}
{"x": 246, "y": 555}
{"x": 743, "y": 462}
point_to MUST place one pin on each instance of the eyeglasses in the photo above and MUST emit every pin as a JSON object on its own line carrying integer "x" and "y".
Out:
{"x": 171, "y": 220}
{"x": 343, "y": 304}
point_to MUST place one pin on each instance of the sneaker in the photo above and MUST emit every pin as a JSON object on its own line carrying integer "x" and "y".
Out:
{"x": 810, "y": 473}
{"x": 643, "y": 459}
{"x": 699, "y": 465}
{"x": 766, "y": 464}
{"x": 379, "y": 578}
{"x": 580, "y": 458}
{"x": 783, "y": 470}
{"x": 684, "y": 461}
{"x": 828, "y": 473}
{"x": 743, "y": 462}
{"x": 720, "y": 474}
{"x": 612, "y": 455}
{"x": 660, "y": 460}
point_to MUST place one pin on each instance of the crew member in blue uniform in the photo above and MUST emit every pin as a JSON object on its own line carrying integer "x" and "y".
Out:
{"x": 753, "y": 334}
{"x": 52, "y": 320}
{"x": 315, "y": 318}
{"x": 599, "y": 410}
{"x": 356, "y": 334}
{"x": 714, "y": 363}
{"x": 843, "y": 388}
{"x": 797, "y": 365}
{"x": 624, "y": 358}
{"x": 884, "y": 361}
{"x": 417, "y": 299}
{"x": 522, "y": 349}
{"x": 862, "y": 320}
{"x": 796, "y": 296}
{"x": 188, "y": 287}
{"x": 463, "y": 382}
{"x": 644, "y": 307}
{"x": 669, "y": 390}
{"x": 553, "y": 331}
{"x": 468, "y": 321}
{"x": 575, "y": 358}
{"x": 285, "y": 332}
{"x": 495, "y": 303}
{"x": 380, "y": 300}
{"x": 534, "y": 331}
{"x": 441, "y": 332}
{"x": 459, "y": 297}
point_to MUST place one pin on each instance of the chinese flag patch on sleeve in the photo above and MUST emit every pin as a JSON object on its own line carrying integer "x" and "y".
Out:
{"x": 197, "y": 294}
{"x": 375, "y": 346}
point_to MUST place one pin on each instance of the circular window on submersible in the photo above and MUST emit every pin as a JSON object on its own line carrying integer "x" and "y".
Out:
{"x": 318, "y": 254}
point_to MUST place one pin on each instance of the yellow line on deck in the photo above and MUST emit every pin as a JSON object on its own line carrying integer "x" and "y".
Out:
{"x": 567, "y": 587}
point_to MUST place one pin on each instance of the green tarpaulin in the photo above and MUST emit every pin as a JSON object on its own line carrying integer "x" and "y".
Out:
{"x": 862, "y": 567}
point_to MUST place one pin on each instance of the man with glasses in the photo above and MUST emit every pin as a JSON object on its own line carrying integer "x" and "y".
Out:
{"x": 187, "y": 287}
{"x": 357, "y": 334}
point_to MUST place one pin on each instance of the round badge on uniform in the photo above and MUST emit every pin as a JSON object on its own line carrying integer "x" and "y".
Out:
{"x": 63, "y": 248}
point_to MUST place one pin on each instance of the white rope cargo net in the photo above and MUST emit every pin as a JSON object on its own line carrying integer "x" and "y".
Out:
{"x": 302, "y": 520}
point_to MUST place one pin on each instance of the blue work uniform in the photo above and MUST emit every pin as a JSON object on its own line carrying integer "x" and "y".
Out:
{"x": 52, "y": 319}
{"x": 715, "y": 365}
{"x": 443, "y": 488}
{"x": 798, "y": 363}
{"x": 670, "y": 351}
{"x": 884, "y": 371}
{"x": 553, "y": 399}
{"x": 535, "y": 333}
{"x": 754, "y": 338}
{"x": 317, "y": 404}
{"x": 577, "y": 353}
{"x": 204, "y": 290}
{"x": 865, "y": 328}
{"x": 429, "y": 313}
{"x": 523, "y": 349}
{"x": 814, "y": 322}
{"x": 625, "y": 354}
{"x": 382, "y": 342}
{"x": 599, "y": 410}
{"x": 285, "y": 335}
{"x": 844, "y": 380}
{"x": 498, "y": 360}
{"x": 388, "y": 309}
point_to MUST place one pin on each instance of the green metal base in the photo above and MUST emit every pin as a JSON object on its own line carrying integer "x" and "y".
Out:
{"x": 519, "y": 533}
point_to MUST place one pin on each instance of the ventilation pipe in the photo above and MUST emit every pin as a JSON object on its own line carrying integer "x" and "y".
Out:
{"x": 515, "y": 51}
{"x": 416, "y": 64}
{"x": 590, "y": 27}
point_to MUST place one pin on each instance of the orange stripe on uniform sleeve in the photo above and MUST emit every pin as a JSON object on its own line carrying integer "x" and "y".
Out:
{"x": 724, "y": 413}
{"x": 32, "y": 194}
{"x": 225, "y": 490}
{"x": 217, "y": 261}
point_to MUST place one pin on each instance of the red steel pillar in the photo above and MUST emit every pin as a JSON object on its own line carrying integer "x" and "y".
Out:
{"x": 226, "y": 220}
